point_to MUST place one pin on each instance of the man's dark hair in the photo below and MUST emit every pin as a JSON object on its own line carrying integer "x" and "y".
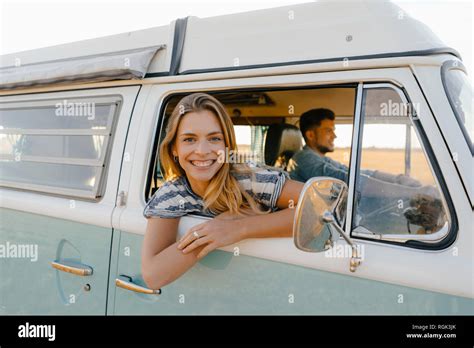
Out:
{"x": 313, "y": 117}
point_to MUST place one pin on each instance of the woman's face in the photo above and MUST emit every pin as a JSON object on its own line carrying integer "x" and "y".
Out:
{"x": 198, "y": 143}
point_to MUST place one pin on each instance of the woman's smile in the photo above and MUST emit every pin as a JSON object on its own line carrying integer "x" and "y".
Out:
{"x": 203, "y": 164}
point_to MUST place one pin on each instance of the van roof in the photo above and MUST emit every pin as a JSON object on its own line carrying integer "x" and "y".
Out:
{"x": 297, "y": 34}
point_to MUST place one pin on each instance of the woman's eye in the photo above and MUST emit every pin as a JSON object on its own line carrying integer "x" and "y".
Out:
{"x": 188, "y": 140}
{"x": 216, "y": 139}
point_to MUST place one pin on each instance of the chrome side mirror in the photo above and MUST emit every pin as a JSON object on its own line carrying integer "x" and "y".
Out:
{"x": 319, "y": 215}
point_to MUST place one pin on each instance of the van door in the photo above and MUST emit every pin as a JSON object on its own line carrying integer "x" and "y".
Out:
{"x": 271, "y": 276}
{"x": 61, "y": 155}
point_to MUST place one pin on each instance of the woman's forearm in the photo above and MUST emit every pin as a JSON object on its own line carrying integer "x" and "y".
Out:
{"x": 273, "y": 225}
{"x": 168, "y": 265}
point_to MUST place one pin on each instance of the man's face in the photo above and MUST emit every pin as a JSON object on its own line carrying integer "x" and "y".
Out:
{"x": 322, "y": 136}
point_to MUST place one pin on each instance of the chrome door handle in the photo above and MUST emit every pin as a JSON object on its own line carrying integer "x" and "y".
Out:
{"x": 75, "y": 268}
{"x": 125, "y": 282}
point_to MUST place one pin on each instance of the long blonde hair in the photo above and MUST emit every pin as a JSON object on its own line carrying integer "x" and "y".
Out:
{"x": 223, "y": 192}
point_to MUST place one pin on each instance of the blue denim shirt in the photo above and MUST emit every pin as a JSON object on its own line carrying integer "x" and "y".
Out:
{"x": 307, "y": 164}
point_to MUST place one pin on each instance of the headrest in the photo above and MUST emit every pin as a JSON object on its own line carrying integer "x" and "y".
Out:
{"x": 281, "y": 139}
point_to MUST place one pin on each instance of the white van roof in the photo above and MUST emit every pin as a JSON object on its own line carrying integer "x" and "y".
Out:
{"x": 297, "y": 34}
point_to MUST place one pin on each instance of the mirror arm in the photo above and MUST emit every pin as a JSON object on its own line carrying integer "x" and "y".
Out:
{"x": 342, "y": 233}
{"x": 328, "y": 218}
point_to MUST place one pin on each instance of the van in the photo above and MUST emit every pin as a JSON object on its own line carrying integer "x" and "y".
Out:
{"x": 81, "y": 125}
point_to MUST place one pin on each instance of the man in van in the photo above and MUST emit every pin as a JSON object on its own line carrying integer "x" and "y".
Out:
{"x": 318, "y": 129}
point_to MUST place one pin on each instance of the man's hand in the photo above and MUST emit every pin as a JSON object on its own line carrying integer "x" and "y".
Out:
{"x": 407, "y": 181}
{"x": 215, "y": 233}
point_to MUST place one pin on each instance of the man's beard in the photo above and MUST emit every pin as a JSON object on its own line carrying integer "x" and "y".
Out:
{"x": 324, "y": 149}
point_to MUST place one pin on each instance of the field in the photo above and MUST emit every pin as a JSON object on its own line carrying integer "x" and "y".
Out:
{"x": 390, "y": 161}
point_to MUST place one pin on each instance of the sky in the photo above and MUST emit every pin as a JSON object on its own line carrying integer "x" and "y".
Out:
{"x": 26, "y": 25}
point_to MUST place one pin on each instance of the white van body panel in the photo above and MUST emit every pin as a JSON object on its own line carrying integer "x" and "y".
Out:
{"x": 315, "y": 31}
{"x": 429, "y": 78}
{"x": 386, "y": 263}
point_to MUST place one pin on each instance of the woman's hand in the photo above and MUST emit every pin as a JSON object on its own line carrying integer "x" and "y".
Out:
{"x": 215, "y": 233}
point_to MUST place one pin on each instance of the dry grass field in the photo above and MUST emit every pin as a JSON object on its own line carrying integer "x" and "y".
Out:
{"x": 390, "y": 161}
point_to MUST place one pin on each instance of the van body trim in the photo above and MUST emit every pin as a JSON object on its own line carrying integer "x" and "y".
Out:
{"x": 446, "y": 67}
{"x": 428, "y": 52}
{"x": 178, "y": 45}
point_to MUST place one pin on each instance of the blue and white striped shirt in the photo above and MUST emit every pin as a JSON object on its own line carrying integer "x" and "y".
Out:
{"x": 175, "y": 198}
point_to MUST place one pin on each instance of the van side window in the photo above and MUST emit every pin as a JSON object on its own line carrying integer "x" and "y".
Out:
{"x": 266, "y": 124}
{"x": 250, "y": 142}
{"x": 56, "y": 146}
{"x": 396, "y": 191}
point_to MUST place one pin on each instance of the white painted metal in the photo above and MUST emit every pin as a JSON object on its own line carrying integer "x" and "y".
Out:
{"x": 383, "y": 262}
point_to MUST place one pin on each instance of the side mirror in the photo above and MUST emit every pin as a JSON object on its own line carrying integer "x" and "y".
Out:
{"x": 320, "y": 215}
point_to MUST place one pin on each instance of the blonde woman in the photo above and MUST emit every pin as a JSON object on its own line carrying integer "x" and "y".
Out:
{"x": 247, "y": 201}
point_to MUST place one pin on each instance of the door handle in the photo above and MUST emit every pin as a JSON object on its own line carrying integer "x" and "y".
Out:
{"x": 125, "y": 282}
{"x": 75, "y": 268}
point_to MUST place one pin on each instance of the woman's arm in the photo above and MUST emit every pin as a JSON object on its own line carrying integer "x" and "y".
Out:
{"x": 162, "y": 262}
{"x": 277, "y": 224}
{"x": 217, "y": 232}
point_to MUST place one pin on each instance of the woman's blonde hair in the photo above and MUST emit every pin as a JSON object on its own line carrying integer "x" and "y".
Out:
{"x": 223, "y": 192}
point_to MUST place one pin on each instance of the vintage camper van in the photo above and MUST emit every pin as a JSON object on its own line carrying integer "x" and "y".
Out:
{"x": 81, "y": 123}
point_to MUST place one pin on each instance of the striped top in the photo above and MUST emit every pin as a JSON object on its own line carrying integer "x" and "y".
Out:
{"x": 175, "y": 198}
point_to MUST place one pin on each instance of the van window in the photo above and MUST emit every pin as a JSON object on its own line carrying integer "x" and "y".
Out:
{"x": 266, "y": 123}
{"x": 56, "y": 146}
{"x": 396, "y": 191}
{"x": 250, "y": 142}
{"x": 460, "y": 95}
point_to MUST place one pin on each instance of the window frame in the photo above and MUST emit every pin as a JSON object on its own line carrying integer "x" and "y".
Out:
{"x": 153, "y": 160}
{"x": 114, "y": 101}
{"x": 445, "y": 69}
{"x": 429, "y": 242}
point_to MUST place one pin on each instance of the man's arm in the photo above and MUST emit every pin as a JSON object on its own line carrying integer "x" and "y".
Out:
{"x": 377, "y": 188}
{"x": 400, "y": 179}
{"x": 322, "y": 168}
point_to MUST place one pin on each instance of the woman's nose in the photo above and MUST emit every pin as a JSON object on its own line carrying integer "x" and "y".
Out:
{"x": 202, "y": 147}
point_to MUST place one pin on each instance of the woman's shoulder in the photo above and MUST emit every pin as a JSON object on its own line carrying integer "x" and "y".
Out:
{"x": 264, "y": 183}
{"x": 171, "y": 200}
{"x": 252, "y": 171}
